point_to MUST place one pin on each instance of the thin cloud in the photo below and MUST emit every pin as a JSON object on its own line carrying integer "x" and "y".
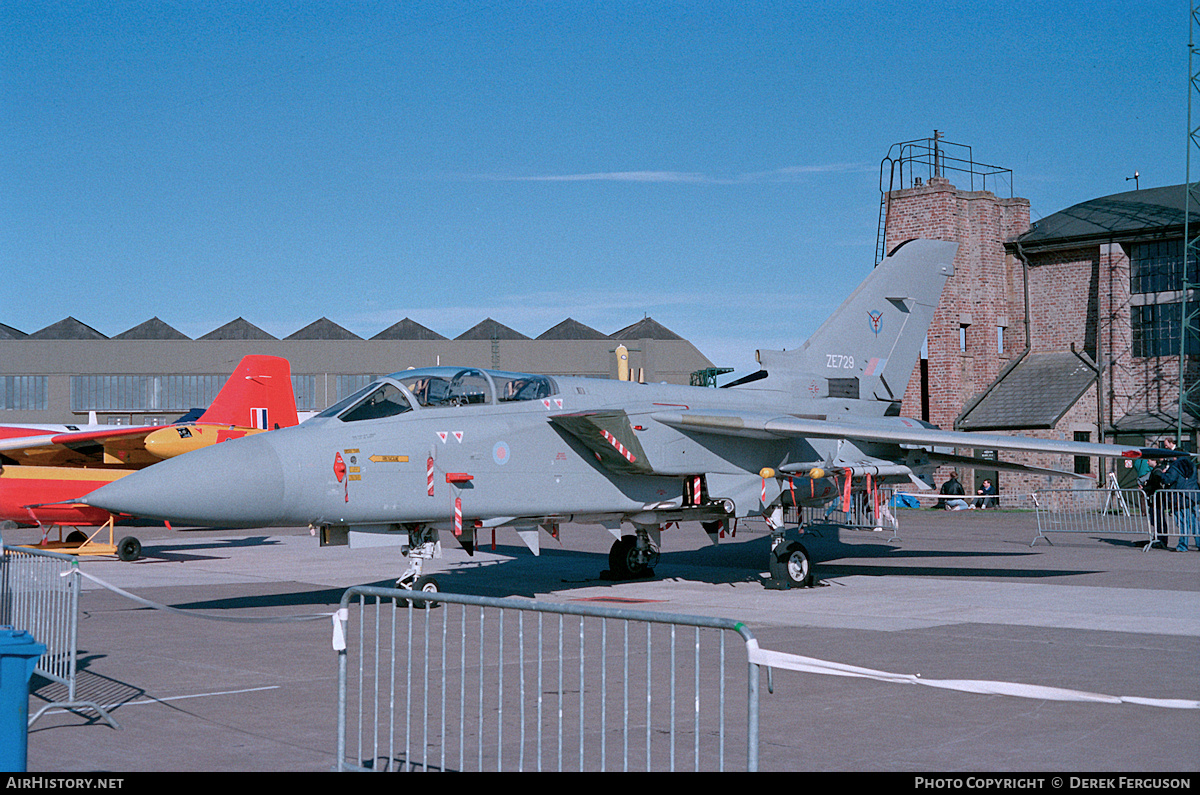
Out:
{"x": 785, "y": 174}
{"x": 615, "y": 176}
{"x": 790, "y": 173}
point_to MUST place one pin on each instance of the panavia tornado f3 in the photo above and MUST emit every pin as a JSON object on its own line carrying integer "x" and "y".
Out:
{"x": 452, "y": 451}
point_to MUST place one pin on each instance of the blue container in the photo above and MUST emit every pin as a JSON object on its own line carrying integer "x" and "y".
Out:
{"x": 18, "y": 657}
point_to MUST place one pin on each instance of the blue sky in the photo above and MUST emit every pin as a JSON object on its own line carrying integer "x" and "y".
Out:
{"x": 714, "y": 165}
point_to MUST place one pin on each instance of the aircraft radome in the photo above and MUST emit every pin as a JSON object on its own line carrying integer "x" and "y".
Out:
{"x": 442, "y": 451}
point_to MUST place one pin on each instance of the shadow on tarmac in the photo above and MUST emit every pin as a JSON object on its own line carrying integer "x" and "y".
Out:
{"x": 511, "y": 570}
{"x": 109, "y": 693}
{"x": 171, "y": 554}
{"x": 326, "y": 597}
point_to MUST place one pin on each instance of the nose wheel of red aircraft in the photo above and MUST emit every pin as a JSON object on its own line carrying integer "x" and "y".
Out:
{"x": 631, "y": 558}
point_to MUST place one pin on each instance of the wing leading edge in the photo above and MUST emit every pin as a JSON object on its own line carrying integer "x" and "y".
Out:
{"x": 898, "y": 430}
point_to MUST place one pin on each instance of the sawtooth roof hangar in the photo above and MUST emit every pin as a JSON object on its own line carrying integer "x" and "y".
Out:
{"x": 153, "y": 373}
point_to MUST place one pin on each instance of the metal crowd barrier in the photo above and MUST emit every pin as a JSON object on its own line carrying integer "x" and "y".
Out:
{"x": 1094, "y": 511}
{"x": 479, "y": 683}
{"x": 39, "y": 593}
{"x": 872, "y": 511}
{"x": 1174, "y": 511}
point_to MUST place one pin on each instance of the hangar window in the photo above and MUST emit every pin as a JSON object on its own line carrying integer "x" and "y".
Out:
{"x": 351, "y": 384}
{"x": 304, "y": 387}
{"x": 24, "y": 392}
{"x": 143, "y": 392}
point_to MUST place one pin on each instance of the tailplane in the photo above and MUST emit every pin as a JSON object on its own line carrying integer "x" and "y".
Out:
{"x": 868, "y": 348}
{"x": 258, "y": 395}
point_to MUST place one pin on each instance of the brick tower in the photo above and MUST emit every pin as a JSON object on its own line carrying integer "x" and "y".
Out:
{"x": 979, "y": 323}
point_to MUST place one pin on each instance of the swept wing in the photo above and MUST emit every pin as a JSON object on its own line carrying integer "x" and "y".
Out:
{"x": 897, "y": 431}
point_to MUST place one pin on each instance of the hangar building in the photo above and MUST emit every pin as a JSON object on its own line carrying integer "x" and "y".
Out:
{"x": 152, "y": 373}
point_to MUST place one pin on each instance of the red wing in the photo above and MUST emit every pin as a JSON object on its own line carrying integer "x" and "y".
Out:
{"x": 119, "y": 446}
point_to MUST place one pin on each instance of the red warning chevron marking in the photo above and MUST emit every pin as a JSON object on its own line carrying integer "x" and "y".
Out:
{"x": 630, "y": 457}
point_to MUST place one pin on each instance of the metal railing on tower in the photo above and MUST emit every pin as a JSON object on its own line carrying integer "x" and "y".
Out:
{"x": 912, "y": 163}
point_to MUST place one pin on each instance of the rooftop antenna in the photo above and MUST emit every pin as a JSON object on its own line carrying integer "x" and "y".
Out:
{"x": 1135, "y": 176}
{"x": 937, "y": 155}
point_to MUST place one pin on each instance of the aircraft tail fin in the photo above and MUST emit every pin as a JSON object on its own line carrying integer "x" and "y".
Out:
{"x": 258, "y": 395}
{"x": 867, "y": 349}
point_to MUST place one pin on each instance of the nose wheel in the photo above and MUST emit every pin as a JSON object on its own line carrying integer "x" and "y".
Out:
{"x": 424, "y": 584}
{"x": 423, "y": 546}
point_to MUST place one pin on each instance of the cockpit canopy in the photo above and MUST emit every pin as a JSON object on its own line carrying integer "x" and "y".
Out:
{"x": 437, "y": 387}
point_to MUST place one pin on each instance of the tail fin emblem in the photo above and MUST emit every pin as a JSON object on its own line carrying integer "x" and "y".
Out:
{"x": 876, "y": 319}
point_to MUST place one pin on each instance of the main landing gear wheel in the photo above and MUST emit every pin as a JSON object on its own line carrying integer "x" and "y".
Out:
{"x": 791, "y": 567}
{"x": 627, "y": 562}
{"x": 129, "y": 549}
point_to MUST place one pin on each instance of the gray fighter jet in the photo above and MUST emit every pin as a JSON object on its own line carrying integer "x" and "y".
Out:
{"x": 444, "y": 451}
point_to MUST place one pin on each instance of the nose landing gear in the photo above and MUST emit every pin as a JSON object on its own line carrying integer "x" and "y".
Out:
{"x": 423, "y": 546}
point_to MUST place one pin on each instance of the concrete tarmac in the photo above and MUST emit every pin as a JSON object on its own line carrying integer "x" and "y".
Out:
{"x": 957, "y": 596}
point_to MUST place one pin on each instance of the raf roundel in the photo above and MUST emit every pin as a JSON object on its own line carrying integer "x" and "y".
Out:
{"x": 500, "y": 453}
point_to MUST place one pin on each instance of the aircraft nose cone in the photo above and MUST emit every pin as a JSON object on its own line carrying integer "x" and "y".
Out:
{"x": 238, "y": 483}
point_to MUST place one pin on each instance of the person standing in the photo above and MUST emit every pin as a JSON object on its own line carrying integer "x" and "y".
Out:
{"x": 1179, "y": 475}
{"x": 1158, "y": 512}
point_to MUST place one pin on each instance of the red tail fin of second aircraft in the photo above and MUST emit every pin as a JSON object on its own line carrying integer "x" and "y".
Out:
{"x": 258, "y": 395}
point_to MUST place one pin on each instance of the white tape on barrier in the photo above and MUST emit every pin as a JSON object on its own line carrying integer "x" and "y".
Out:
{"x": 195, "y": 614}
{"x": 795, "y": 662}
{"x": 339, "y": 629}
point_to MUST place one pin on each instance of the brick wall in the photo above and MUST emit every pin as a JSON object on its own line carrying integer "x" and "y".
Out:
{"x": 978, "y": 298}
{"x": 1063, "y": 290}
{"x": 987, "y": 292}
{"x": 1079, "y": 297}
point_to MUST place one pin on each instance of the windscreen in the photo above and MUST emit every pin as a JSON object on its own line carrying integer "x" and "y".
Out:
{"x": 382, "y": 400}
